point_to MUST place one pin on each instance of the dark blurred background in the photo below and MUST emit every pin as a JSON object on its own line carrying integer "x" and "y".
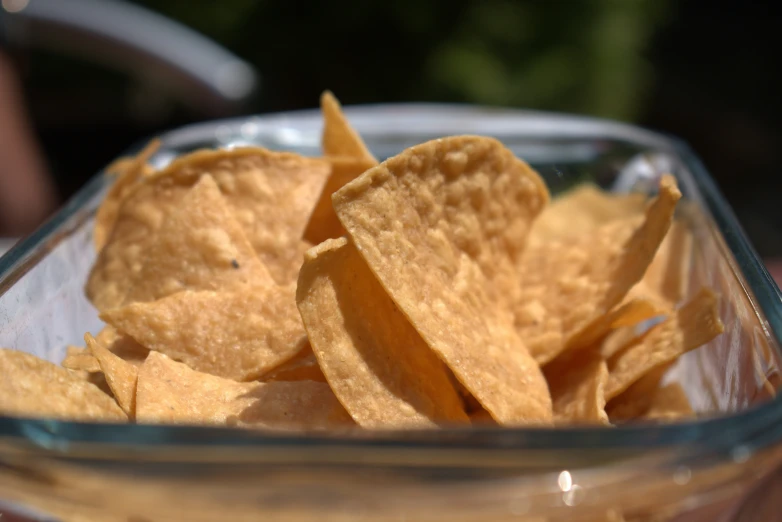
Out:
{"x": 705, "y": 71}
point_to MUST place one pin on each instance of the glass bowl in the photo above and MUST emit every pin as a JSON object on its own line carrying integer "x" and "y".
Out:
{"x": 696, "y": 470}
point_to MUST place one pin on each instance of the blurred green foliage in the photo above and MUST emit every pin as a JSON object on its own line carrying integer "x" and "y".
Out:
{"x": 583, "y": 56}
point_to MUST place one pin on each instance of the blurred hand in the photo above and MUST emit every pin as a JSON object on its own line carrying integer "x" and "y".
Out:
{"x": 27, "y": 194}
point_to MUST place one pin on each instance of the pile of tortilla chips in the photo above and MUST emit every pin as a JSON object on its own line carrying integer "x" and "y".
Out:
{"x": 441, "y": 287}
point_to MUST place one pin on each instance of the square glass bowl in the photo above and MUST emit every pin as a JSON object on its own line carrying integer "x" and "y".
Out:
{"x": 699, "y": 469}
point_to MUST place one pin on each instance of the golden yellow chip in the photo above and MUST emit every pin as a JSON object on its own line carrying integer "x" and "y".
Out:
{"x": 664, "y": 284}
{"x": 32, "y": 387}
{"x": 439, "y": 225}
{"x": 324, "y": 223}
{"x": 693, "y": 325}
{"x": 619, "y": 339}
{"x": 119, "y": 166}
{"x": 577, "y": 383}
{"x": 272, "y": 195}
{"x": 255, "y": 182}
{"x": 636, "y": 400}
{"x": 377, "y": 364}
{"x": 141, "y": 214}
{"x": 171, "y": 392}
{"x": 79, "y": 359}
{"x": 303, "y": 367}
{"x": 625, "y": 315}
{"x": 123, "y": 346}
{"x": 668, "y": 276}
{"x": 481, "y": 417}
{"x": 339, "y": 138}
{"x": 121, "y": 376}
{"x": 581, "y": 210}
{"x": 127, "y": 175}
{"x": 348, "y": 157}
{"x": 670, "y": 403}
{"x": 238, "y": 335}
{"x": 568, "y": 286}
{"x": 199, "y": 246}
{"x": 287, "y": 261}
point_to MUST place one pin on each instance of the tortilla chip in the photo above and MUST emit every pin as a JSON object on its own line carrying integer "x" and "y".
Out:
{"x": 99, "y": 380}
{"x": 339, "y": 138}
{"x": 256, "y": 184}
{"x": 140, "y": 215}
{"x": 439, "y": 225}
{"x": 619, "y": 339}
{"x": 693, "y": 325}
{"x": 625, "y": 315}
{"x": 377, "y": 364}
{"x": 121, "y": 376}
{"x": 121, "y": 345}
{"x": 119, "y": 166}
{"x": 79, "y": 359}
{"x": 238, "y": 335}
{"x": 288, "y": 260}
{"x": 171, "y": 392}
{"x": 636, "y": 400}
{"x": 482, "y": 417}
{"x": 665, "y": 284}
{"x": 583, "y": 209}
{"x": 32, "y": 387}
{"x": 199, "y": 246}
{"x": 568, "y": 286}
{"x": 272, "y": 195}
{"x": 303, "y": 367}
{"x": 324, "y": 223}
{"x": 107, "y": 335}
{"x": 670, "y": 403}
{"x": 668, "y": 277}
{"x": 127, "y": 175}
{"x": 577, "y": 383}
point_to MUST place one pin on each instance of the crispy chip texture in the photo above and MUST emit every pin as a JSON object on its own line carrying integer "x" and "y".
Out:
{"x": 272, "y": 195}
{"x": 663, "y": 286}
{"x": 199, "y": 246}
{"x": 33, "y": 387}
{"x": 567, "y": 286}
{"x": 303, "y": 367}
{"x": 123, "y": 346}
{"x": 140, "y": 215}
{"x": 238, "y": 335}
{"x": 79, "y": 359}
{"x": 86, "y": 367}
{"x": 693, "y": 325}
{"x": 127, "y": 175}
{"x": 324, "y": 223}
{"x": 288, "y": 261}
{"x": 439, "y": 225}
{"x": 582, "y": 209}
{"x": 255, "y": 182}
{"x": 377, "y": 364}
{"x": 348, "y": 157}
{"x": 339, "y": 138}
{"x": 577, "y": 383}
{"x": 120, "y": 375}
{"x": 171, "y": 392}
{"x": 619, "y": 339}
{"x": 668, "y": 277}
{"x": 625, "y": 315}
